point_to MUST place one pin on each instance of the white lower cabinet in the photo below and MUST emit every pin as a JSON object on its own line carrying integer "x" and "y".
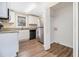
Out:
{"x": 8, "y": 44}
{"x": 23, "y": 35}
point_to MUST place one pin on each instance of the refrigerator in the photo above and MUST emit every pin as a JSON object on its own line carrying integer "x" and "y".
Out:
{"x": 40, "y": 34}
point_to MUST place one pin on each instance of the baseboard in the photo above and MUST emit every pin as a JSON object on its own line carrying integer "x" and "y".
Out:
{"x": 63, "y": 44}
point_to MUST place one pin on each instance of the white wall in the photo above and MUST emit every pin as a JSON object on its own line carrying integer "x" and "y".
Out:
{"x": 63, "y": 21}
{"x": 47, "y": 26}
{"x": 75, "y": 29}
{"x": 78, "y": 28}
{"x": 47, "y": 36}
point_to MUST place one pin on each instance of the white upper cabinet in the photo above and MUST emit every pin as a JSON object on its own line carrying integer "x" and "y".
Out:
{"x": 11, "y": 16}
{"x": 3, "y": 10}
{"x": 36, "y": 19}
{"x": 33, "y": 19}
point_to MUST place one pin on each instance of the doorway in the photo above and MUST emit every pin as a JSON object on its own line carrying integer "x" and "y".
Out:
{"x": 61, "y": 16}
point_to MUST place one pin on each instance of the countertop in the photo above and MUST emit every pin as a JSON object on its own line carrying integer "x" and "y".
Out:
{"x": 8, "y": 31}
{"x": 15, "y": 30}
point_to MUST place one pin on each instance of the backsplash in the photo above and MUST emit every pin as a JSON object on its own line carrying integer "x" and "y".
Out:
{"x": 6, "y": 23}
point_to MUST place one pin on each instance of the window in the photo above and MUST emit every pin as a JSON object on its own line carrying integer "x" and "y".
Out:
{"x": 21, "y": 21}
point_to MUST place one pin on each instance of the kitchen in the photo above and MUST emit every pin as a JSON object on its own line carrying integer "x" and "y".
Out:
{"x": 17, "y": 26}
{"x": 36, "y": 29}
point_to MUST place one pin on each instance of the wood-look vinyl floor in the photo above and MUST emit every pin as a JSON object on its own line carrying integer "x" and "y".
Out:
{"x": 33, "y": 48}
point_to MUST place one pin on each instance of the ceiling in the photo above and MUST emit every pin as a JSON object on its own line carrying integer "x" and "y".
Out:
{"x": 35, "y": 8}
{"x": 58, "y": 7}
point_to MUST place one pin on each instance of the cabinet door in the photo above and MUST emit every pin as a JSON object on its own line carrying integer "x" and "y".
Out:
{"x": 3, "y": 10}
{"x": 31, "y": 19}
{"x": 35, "y": 20}
{"x": 8, "y": 44}
{"x": 24, "y": 35}
{"x": 19, "y": 35}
